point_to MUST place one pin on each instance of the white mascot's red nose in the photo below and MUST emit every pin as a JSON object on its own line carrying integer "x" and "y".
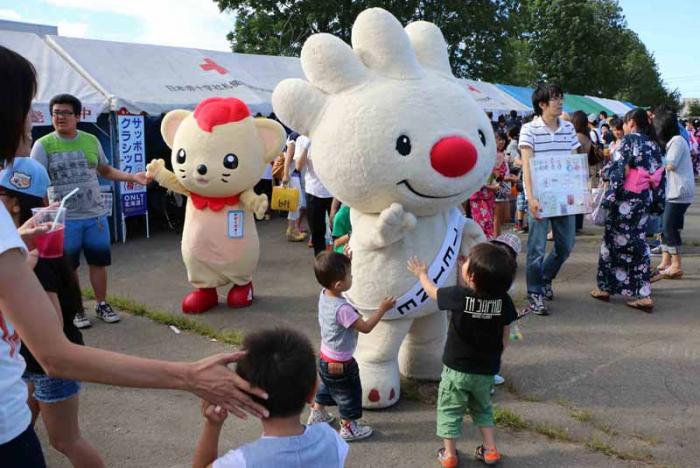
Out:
{"x": 453, "y": 156}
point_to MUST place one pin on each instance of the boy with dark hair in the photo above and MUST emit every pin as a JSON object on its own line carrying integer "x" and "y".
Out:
{"x": 281, "y": 362}
{"x": 340, "y": 322}
{"x": 477, "y": 334}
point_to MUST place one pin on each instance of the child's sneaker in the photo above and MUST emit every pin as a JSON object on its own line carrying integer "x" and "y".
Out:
{"x": 351, "y": 431}
{"x": 490, "y": 456}
{"x": 498, "y": 380}
{"x": 535, "y": 305}
{"x": 320, "y": 416}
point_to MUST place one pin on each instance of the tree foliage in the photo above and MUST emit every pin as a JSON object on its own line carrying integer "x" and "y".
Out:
{"x": 477, "y": 31}
{"x": 583, "y": 44}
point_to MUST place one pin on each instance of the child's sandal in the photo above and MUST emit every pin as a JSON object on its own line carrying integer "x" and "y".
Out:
{"x": 445, "y": 461}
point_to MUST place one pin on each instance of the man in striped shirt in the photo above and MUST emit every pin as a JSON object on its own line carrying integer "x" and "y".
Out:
{"x": 546, "y": 133}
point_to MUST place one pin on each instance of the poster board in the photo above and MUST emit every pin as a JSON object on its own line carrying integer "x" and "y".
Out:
{"x": 560, "y": 183}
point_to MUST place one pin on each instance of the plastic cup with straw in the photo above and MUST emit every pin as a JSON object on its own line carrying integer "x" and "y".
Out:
{"x": 50, "y": 243}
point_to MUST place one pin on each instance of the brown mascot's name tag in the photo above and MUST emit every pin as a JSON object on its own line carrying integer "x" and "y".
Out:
{"x": 235, "y": 224}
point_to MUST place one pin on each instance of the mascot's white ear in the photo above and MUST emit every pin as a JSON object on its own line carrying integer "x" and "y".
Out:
{"x": 272, "y": 135}
{"x": 430, "y": 47}
{"x": 383, "y": 46}
{"x": 171, "y": 122}
{"x": 330, "y": 64}
{"x": 298, "y": 104}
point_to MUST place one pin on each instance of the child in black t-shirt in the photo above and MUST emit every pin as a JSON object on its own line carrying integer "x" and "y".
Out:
{"x": 477, "y": 334}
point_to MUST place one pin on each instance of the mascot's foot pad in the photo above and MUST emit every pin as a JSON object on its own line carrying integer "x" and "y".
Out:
{"x": 200, "y": 300}
{"x": 240, "y": 296}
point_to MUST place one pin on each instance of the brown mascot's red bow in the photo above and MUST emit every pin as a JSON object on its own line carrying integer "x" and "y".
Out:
{"x": 213, "y": 203}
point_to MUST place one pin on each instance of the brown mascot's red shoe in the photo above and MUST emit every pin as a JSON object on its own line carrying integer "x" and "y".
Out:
{"x": 200, "y": 300}
{"x": 240, "y": 296}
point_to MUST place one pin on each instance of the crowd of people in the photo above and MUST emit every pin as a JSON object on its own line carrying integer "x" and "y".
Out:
{"x": 643, "y": 162}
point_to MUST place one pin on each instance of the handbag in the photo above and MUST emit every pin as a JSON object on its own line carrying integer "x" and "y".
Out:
{"x": 599, "y": 214}
{"x": 284, "y": 198}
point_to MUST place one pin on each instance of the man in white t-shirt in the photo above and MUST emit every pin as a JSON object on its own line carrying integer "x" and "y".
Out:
{"x": 318, "y": 198}
{"x": 546, "y": 133}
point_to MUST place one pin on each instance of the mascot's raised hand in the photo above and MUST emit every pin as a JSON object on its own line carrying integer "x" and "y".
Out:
{"x": 219, "y": 153}
{"x": 399, "y": 139}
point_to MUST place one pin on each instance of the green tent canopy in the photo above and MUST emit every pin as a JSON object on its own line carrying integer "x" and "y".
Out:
{"x": 576, "y": 102}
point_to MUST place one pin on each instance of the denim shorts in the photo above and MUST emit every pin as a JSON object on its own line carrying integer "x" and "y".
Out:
{"x": 521, "y": 202}
{"x": 92, "y": 237}
{"x": 343, "y": 390}
{"x": 51, "y": 389}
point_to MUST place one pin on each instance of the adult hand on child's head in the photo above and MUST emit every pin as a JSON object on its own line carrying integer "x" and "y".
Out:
{"x": 212, "y": 380}
{"x": 416, "y": 266}
{"x": 215, "y": 414}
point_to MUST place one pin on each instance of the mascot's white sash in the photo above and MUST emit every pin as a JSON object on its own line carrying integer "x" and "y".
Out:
{"x": 415, "y": 299}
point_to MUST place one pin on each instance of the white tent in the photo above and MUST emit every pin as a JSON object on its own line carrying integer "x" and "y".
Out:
{"x": 157, "y": 79}
{"x": 54, "y": 76}
{"x": 616, "y": 106}
{"x": 492, "y": 99}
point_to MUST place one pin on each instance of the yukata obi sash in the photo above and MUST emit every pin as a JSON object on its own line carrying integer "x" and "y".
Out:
{"x": 639, "y": 179}
{"x": 416, "y": 299}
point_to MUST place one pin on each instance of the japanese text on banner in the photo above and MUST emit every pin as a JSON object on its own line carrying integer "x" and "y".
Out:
{"x": 132, "y": 152}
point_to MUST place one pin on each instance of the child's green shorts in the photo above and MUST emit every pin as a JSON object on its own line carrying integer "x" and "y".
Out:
{"x": 458, "y": 393}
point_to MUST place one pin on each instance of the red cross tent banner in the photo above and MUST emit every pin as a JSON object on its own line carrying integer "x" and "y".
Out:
{"x": 156, "y": 79}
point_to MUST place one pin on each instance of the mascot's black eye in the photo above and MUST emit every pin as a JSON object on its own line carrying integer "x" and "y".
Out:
{"x": 403, "y": 145}
{"x": 230, "y": 161}
{"x": 482, "y": 137}
{"x": 181, "y": 156}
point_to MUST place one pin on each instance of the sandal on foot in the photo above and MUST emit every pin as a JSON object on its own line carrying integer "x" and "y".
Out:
{"x": 642, "y": 305}
{"x": 672, "y": 276}
{"x": 600, "y": 295}
{"x": 488, "y": 456}
{"x": 445, "y": 461}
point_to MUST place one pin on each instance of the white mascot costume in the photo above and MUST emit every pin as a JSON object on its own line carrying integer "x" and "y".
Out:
{"x": 399, "y": 139}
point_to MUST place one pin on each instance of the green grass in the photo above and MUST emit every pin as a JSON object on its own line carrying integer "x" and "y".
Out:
{"x": 581, "y": 415}
{"x": 504, "y": 417}
{"x": 554, "y": 432}
{"x": 227, "y": 336}
{"x": 597, "y": 445}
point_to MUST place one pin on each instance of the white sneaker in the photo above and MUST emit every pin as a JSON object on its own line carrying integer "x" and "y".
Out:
{"x": 320, "y": 416}
{"x": 351, "y": 431}
{"x": 105, "y": 312}
{"x": 498, "y": 380}
{"x": 81, "y": 321}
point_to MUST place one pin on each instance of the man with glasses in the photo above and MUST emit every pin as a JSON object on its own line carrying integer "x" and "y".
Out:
{"x": 74, "y": 158}
{"x": 546, "y": 133}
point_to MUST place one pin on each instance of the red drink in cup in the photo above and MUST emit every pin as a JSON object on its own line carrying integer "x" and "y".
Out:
{"x": 50, "y": 244}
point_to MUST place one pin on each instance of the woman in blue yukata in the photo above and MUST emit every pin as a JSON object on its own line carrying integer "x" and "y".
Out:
{"x": 636, "y": 187}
